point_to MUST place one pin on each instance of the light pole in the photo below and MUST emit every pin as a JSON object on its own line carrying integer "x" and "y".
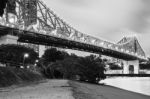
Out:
{"x": 26, "y": 55}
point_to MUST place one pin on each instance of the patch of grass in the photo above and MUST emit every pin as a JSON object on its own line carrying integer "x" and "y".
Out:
{"x": 78, "y": 91}
{"x": 10, "y": 76}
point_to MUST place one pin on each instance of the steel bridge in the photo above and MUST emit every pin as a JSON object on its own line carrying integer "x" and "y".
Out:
{"x": 33, "y": 22}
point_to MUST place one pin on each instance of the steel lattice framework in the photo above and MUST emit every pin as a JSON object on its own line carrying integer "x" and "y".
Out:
{"x": 36, "y": 17}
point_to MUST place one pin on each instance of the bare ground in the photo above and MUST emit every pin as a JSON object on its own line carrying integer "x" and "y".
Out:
{"x": 51, "y": 89}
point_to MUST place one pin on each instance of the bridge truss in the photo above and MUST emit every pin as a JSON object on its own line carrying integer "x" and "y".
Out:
{"x": 33, "y": 22}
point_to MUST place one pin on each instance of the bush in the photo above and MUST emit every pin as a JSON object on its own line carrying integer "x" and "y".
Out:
{"x": 145, "y": 66}
{"x": 13, "y": 54}
{"x": 10, "y": 76}
{"x": 114, "y": 66}
{"x": 59, "y": 64}
{"x": 92, "y": 69}
{"x": 50, "y": 57}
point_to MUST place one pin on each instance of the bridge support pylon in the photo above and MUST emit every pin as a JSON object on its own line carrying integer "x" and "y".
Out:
{"x": 131, "y": 67}
{"x": 41, "y": 50}
{"x": 8, "y": 39}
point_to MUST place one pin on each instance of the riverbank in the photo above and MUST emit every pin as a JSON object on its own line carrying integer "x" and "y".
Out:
{"x": 64, "y": 89}
{"x": 93, "y": 91}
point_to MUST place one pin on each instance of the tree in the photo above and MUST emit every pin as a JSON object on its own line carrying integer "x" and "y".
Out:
{"x": 69, "y": 68}
{"x": 114, "y": 66}
{"x": 145, "y": 65}
{"x": 14, "y": 54}
{"x": 93, "y": 69}
{"x": 2, "y": 6}
{"x": 59, "y": 64}
{"x": 49, "y": 57}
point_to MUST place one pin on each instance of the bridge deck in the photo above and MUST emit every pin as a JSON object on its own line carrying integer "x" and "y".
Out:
{"x": 36, "y": 38}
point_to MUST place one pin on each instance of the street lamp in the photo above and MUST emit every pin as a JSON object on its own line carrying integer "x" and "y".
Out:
{"x": 36, "y": 61}
{"x": 26, "y": 55}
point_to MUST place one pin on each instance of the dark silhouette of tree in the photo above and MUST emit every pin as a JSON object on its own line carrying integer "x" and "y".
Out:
{"x": 145, "y": 65}
{"x": 49, "y": 57}
{"x": 14, "y": 54}
{"x": 69, "y": 68}
{"x": 93, "y": 70}
{"x": 2, "y": 6}
{"x": 114, "y": 66}
{"x": 11, "y": 6}
{"x": 59, "y": 64}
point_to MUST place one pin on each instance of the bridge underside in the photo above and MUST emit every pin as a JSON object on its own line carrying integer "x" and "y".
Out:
{"x": 36, "y": 38}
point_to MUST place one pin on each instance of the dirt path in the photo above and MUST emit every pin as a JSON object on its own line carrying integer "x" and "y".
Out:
{"x": 52, "y": 89}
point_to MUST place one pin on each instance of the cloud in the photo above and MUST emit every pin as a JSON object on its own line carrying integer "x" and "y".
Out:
{"x": 110, "y": 19}
{"x": 75, "y": 3}
{"x": 104, "y": 15}
{"x": 141, "y": 20}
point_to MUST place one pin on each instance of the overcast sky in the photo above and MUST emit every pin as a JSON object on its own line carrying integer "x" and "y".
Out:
{"x": 107, "y": 19}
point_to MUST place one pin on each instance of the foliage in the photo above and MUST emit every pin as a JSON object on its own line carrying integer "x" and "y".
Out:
{"x": 49, "y": 57}
{"x": 59, "y": 64}
{"x": 10, "y": 76}
{"x": 2, "y": 6}
{"x": 68, "y": 68}
{"x": 14, "y": 54}
{"x": 146, "y": 65}
{"x": 92, "y": 69}
{"x": 114, "y": 66}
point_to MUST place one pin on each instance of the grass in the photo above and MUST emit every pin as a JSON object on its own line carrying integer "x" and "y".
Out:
{"x": 78, "y": 91}
{"x": 10, "y": 76}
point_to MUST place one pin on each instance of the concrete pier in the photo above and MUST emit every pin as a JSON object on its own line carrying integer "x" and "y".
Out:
{"x": 8, "y": 39}
{"x": 131, "y": 67}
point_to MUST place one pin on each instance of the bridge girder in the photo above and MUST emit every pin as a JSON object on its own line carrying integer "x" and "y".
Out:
{"x": 45, "y": 22}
